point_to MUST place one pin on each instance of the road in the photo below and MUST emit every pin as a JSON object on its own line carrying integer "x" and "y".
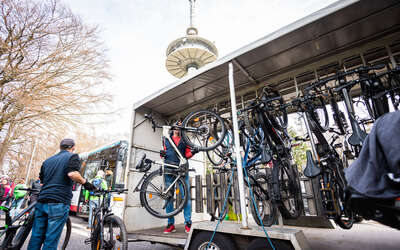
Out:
{"x": 80, "y": 233}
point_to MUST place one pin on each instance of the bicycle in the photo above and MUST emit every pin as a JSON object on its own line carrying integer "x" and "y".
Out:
{"x": 17, "y": 229}
{"x": 107, "y": 231}
{"x": 328, "y": 167}
{"x": 284, "y": 190}
{"x": 155, "y": 192}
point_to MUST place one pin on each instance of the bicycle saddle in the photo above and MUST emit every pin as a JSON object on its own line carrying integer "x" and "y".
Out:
{"x": 312, "y": 169}
{"x": 144, "y": 164}
{"x": 357, "y": 139}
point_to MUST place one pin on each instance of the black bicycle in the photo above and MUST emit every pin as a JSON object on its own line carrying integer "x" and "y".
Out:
{"x": 107, "y": 231}
{"x": 17, "y": 229}
{"x": 284, "y": 190}
{"x": 325, "y": 164}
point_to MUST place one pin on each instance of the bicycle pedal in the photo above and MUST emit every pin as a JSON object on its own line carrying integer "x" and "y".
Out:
{"x": 87, "y": 241}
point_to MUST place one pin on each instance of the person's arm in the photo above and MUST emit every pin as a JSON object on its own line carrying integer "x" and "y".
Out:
{"x": 104, "y": 185}
{"x": 73, "y": 168}
{"x": 41, "y": 174}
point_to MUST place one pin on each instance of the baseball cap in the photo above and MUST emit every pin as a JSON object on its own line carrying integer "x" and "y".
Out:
{"x": 67, "y": 143}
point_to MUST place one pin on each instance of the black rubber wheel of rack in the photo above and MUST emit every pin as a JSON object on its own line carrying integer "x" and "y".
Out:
{"x": 144, "y": 191}
{"x": 196, "y": 116}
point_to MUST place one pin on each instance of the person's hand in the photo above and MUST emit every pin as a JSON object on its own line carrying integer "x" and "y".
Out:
{"x": 162, "y": 153}
{"x": 89, "y": 186}
{"x": 195, "y": 150}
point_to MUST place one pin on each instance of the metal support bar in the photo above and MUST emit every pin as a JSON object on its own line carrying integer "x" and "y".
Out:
{"x": 363, "y": 59}
{"x": 247, "y": 74}
{"x": 392, "y": 60}
{"x": 237, "y": 148}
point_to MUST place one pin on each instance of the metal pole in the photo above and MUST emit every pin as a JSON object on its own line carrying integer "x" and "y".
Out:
{"x": 237, "y": 149}
{"x": 30, "y": 163}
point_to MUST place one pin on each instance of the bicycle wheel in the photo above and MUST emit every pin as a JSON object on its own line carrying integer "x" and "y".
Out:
{"x": 277, "y": 114}
{"x": 199, "y": 125}
{"x": 115, "y": 235}
{"x": 217, "y": 155}
{"x": 289, "y": 203}
{"x": 319, "y": 114}
{"x": 154, "y": 199}
{"x": 95, "y": 242}
{"x": 265, "y": 208}
{"x": 65, "y": 235}
{"x": 17, "y": 241}
{"x": 338, "y": 116}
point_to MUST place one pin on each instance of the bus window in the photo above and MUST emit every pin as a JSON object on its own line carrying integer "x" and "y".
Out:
{"x": 91, "y": 169}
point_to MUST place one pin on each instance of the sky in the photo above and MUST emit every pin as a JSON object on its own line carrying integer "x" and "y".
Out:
{"x": 138, "y": 32}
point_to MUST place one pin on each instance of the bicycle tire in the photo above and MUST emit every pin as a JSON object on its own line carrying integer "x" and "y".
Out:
{"x": 95, "y": 242}
{"x": 215, "y": 156}
{"x": 290, "y": 196}
{"x": 68, "y": 230}
{"x": 268, "y": 216}
{"x": 145, "y": 189}
{"x": 338, "y": 116}
{"x": 203, "y": 121}
{"x": 121, "y": 238}
{"x": 279, "y": 117}
{"x": 316, "y": 118}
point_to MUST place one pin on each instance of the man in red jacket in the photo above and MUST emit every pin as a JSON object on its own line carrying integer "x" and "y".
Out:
{"x": 171, "y": 157}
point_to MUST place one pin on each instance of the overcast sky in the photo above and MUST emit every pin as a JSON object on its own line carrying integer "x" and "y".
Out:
{"x": 138, "y": 32}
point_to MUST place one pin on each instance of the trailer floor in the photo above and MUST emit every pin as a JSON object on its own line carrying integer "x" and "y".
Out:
{"x": 156, "y": 235}
{"x": 367, "y": 235}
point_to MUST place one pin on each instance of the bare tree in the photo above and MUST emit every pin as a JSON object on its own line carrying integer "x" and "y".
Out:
{"x": 52, "y": 71}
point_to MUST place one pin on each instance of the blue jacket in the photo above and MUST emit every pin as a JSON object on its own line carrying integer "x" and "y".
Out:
{"x": 171, "y": 156}
{"x": 57, "y": 186}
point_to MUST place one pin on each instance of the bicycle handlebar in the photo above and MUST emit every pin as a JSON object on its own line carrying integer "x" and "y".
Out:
{"x": 30, "y": 190}
{"x": 100, "y": 192}
{"x": 342, "y": 74}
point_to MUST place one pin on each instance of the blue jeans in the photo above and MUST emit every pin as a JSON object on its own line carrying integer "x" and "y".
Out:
{"x": 48, "y": 225}
{"x": 187, "y": 209}
{"x": 92, "y": 205}
{"x": 16, "y": 204}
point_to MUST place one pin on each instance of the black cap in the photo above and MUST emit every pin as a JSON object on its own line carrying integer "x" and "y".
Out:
{"x": 67, "y": 143}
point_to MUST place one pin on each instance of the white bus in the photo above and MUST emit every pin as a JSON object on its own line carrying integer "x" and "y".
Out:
{"x": 110, "y": 157}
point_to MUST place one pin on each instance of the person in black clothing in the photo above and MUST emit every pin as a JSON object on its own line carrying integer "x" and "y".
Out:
{"x": 51, "y": 212}
{"x": 374, "y": 178}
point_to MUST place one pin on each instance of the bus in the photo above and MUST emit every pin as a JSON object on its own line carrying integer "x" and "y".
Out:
{"x": 112, "y": 160}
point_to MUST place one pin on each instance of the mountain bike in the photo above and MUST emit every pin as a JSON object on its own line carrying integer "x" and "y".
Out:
{"x": 107, "y": 231}
{"x": 17, "y": 229}
{"x": 284, "y": 193}
{"x": 204, "y": 130}
{"x": 324, "y": 163}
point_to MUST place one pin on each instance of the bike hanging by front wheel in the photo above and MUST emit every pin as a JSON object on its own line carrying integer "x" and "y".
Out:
{"x": 201, "y": 126}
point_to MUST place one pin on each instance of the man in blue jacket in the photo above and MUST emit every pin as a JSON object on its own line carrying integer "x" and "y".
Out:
{"x": 51, "y": 212}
